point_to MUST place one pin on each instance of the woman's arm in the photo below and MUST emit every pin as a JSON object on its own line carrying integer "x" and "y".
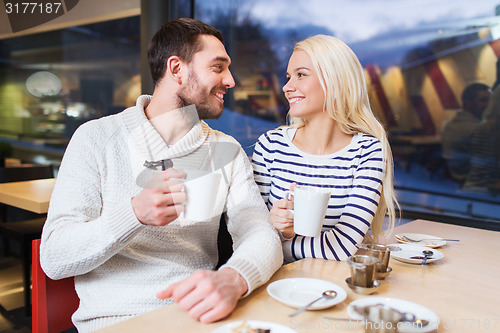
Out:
{"x": 339, "y": 241}
{"x": 260, "y": 163}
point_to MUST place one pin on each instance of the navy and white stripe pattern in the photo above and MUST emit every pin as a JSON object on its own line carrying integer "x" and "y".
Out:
{"x": 354, "y": 174}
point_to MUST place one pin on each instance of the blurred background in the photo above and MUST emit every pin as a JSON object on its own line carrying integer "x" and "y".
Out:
{"x": 418, "y": 57}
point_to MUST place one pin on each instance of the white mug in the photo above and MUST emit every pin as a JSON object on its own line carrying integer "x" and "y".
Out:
{"x": 201, "y": 192}
{"x": 309, "y": 209}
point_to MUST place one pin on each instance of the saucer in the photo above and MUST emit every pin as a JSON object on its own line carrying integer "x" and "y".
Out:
{"x": 408, "y": 251}
{"x": 383, "y": 275}
{"x": 363, "y": 290}
{"x": 400, "y": 305}
{"x": 297, "y": 292}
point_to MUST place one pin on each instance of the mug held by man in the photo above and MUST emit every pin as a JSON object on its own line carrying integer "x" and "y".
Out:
{"x": 201, "y": 191}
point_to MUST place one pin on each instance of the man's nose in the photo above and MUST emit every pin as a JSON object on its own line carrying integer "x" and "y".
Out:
{"x": 228, "y": 80}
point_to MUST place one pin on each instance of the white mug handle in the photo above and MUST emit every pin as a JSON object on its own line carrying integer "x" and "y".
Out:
{"x": 288, "y": 196}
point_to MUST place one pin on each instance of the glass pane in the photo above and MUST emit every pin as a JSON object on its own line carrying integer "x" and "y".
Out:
{"x": 418, "y": 63}
{"x": 50, "y": 83}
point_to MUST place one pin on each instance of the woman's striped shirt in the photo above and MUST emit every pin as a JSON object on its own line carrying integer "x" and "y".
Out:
{"x": 354, "y": 175}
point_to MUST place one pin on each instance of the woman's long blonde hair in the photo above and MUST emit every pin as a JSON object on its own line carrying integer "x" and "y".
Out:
{"x": 346, "y": 101}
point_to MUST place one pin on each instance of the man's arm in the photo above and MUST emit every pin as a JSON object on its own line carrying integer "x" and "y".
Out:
{"x": 80, "y": 232}
{"x": 257, "y": 247}
{"x": 208, "y": 296}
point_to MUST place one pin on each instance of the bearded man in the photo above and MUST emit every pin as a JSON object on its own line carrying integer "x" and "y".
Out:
{"x": 115, "y": 221}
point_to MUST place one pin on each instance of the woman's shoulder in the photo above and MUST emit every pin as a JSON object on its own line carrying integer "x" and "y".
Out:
{"x": 276, "y": 135}
{"x": 366, "y": 140}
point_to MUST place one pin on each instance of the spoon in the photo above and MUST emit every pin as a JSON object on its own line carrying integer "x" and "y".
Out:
{"x": 414, "y": 323}
{"x": 421, "y": 322}
{"x": 434, "y": 239}
{"x": 326, "y": 294}
{"x": 427, "y": 254}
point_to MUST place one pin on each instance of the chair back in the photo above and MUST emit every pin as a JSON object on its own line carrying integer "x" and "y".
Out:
{"x": 21, "y": 173}
{"x": 224, "y": 242}
{"x": 54, "y": 301}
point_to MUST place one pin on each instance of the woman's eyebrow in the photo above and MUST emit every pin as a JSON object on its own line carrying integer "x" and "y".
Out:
{"x": 300, "y": 68}
{"x": 297, "y": 70}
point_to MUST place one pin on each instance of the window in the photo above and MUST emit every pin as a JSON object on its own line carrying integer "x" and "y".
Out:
{"x": 417, "y": 62}
{"x": 52, "y": 82}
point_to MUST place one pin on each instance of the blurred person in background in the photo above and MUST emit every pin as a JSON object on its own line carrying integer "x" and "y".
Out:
{"x": 457, "y": 133}
{"x": 484, "y": 173}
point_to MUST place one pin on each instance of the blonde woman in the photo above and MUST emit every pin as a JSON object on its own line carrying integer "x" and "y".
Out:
{"x": 334, "y": 141}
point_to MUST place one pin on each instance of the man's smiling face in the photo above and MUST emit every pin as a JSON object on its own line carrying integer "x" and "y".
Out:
{"x": 208, "y": 80}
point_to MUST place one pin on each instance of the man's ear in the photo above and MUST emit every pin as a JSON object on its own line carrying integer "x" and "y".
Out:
{"x": 175, "y": 68}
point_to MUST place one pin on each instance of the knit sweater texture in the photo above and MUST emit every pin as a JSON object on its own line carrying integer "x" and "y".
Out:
{"x": 118, "y": 263}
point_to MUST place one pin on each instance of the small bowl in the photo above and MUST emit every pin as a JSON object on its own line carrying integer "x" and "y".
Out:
{"x": 363, "y": 290}
{"x": 383, "y": 275}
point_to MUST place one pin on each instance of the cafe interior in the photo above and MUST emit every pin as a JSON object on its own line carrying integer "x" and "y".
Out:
{"x": 90, "y": 63}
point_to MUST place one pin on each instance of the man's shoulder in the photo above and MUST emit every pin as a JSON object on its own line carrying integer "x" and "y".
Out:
{"x": 224, "y": 149}
{"x": 100, "y": 124}
{"x": 105, "y": 127}
{"x": 221, "y": 136}
{"x": 128, "y": 118}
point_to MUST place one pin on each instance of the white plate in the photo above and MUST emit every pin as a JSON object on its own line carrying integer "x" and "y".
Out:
{"x": 420, "y": 312}
{"x": 430, "y": 241}
{"x": 297, "y": 292}
{"x": 410, "y": 250}
{"x": 275, "y": 328}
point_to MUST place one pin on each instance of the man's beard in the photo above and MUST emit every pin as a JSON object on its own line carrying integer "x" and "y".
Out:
{"x": 195, "y": 94}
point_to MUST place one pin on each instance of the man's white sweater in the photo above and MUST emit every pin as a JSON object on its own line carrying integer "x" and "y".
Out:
{"x": 120, "y": 264}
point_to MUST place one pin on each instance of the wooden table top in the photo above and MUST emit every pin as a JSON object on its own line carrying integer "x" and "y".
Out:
{"x": 12, "y": 162}
{"x": 461, "y": 289}
{"x": 32, "y": 195}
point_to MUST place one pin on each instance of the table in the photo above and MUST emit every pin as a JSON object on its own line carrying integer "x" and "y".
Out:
{"x": 461, "y": 288}
{"x": 32, "y": 195}
{"x": 12, "y": 162}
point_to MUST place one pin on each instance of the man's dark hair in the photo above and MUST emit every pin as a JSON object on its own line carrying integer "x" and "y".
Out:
{"x": 470, "y": 92}
{"x": 176, "y": 38}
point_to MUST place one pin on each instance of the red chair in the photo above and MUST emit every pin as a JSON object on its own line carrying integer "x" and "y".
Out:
{"x": 54, "y": 301}
{"x": 21, "y": 225}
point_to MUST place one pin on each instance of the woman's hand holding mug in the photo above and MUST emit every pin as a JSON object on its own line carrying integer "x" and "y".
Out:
{"x": 282, "y": 215}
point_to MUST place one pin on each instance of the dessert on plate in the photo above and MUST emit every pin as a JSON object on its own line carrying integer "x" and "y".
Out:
{"x": 246, "y": 328}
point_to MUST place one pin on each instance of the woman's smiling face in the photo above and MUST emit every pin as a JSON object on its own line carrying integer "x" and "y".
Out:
{"x": 303, "y": 89}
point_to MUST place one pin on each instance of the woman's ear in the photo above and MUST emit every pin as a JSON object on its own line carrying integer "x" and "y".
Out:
{"x": 174, "y": 68}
